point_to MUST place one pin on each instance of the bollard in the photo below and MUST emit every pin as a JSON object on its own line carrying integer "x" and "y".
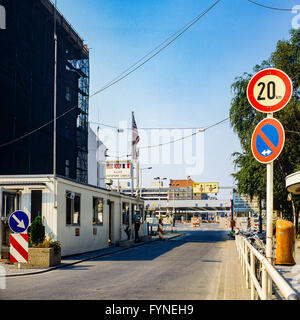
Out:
{"x": 160, "y": 229}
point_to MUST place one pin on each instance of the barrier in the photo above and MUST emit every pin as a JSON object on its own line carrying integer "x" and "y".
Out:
{"x": 249, "y": 257}
{"x": 160, "y": 229}
{"x": 196, "y": 222}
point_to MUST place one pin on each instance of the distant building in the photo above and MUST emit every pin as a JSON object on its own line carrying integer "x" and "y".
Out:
{"x": 153, "y": 192}
{"x": 183, "y": 190}
{"x": 27, "y": 92}
{"x": 243, "y": 205}
{"x": 177, "y": 189}
{"x": 96, "y": 160}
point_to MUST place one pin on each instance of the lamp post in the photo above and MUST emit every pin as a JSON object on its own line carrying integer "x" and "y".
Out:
{"x": 173, "y": 214}
{"x": 141, "y": 184}
{"x": 119, "y": 131}
{"x": 159, "y": 181}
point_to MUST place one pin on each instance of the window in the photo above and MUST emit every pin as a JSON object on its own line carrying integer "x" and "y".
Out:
{"x": 10, "y": 203}
{"x": 67, "y": 169}
{"x": 125, "y": 213}
{"x": 68, "y": 94}
{"x": 36, "y": 204}
{"x": 72, "y": 208}
{"x": 98, "y": 210}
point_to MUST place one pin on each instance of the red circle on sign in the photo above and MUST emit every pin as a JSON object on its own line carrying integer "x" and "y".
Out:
{"x": 276, "y": 107}
{"x": 276, "y": 150}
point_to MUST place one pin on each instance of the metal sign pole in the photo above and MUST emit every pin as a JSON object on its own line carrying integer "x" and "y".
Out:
{"x": 279, "y": 89}
{"x": 269, "y": 239}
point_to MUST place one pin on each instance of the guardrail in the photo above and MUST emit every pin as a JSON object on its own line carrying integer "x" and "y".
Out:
{"x": 258, "y": 277}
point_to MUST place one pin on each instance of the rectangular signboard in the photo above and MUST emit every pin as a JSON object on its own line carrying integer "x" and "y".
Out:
{"x": 118, "y": 170}
{"x": 206, "y": 187}
{"x": 198, "y": 187}
{"x": 211, "y": 187}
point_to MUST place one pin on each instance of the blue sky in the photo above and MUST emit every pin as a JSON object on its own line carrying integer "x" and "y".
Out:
{"x": 188, "y": 84}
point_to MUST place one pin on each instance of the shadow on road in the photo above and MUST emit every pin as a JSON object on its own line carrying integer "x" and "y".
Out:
{"x": 156, "y": 249}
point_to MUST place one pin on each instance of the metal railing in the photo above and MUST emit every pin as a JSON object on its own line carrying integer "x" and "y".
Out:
{"x": 260, "y": 273}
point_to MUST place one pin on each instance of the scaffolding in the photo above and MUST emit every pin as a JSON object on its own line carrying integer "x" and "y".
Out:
{"x": 26, "y": 89}
{"x": 81, "y": 67}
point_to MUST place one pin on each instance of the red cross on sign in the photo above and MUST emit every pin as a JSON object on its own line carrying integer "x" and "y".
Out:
{"x": 267, "y": 140}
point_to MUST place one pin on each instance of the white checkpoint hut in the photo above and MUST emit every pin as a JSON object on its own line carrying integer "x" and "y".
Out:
{"x": 82, "y": 217}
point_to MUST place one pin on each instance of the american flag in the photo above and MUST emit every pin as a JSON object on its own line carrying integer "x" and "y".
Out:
{"x": 135, "y": 138}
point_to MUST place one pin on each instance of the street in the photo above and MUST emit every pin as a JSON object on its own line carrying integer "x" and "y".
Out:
{"x": 184, "y": 268}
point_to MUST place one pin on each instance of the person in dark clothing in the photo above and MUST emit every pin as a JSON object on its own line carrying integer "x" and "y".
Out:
{"x": 137, "y": 224}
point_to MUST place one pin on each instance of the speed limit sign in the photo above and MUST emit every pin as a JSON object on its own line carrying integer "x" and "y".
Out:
{"x": 270, "y": 90}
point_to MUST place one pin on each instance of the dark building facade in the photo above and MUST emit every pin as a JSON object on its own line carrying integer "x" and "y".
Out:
{"x": 27, "y": 92}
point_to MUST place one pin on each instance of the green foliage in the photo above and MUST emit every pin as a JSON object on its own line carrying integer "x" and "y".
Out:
{"x": 56, "y": 245}
{"x": 251, "y": 175}
{"x": 37, "y": 232}
{"x": 49, "y": 243}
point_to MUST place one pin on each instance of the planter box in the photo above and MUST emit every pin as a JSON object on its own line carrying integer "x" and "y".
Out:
{"x": 41, "y": 258}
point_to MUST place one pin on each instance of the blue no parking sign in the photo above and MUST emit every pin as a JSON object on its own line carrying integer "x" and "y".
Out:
{"x": 267, "y": 140}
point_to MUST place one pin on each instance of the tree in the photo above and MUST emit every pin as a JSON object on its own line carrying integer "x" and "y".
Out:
{"x": 37, "y": 231}
{"x": 251, "y": 175}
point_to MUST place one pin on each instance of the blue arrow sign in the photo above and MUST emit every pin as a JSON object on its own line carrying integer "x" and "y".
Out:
{"x": 18, "y": 222}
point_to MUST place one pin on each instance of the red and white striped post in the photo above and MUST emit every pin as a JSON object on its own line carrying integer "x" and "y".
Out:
{"x": 168, "y": 199}
{"x": 160, "y": 229}
{"x": 19, "y": 248}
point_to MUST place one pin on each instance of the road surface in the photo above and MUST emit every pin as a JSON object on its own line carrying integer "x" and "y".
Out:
{"x": 185, "y": 268}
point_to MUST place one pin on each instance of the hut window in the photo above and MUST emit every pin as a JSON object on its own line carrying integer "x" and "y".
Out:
{"x": 98, "y": 210}
{"x": 72, "y": 208}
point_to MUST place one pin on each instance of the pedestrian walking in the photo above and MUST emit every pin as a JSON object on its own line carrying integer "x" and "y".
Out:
{"x": 137, "y": 225}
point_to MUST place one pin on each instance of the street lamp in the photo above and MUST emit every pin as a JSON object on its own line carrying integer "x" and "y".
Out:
{"x": 119, "y": 130}
{"x": 173, "y": 214}
{"x": 141, "y": 184}
{"x": 159, "y": 181}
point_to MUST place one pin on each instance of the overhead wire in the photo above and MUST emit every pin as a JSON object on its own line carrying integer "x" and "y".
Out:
{"x": 181, "y": 139}
{"x": 123, "y": 76}
{"x": 118, "y": 79}
{"x": 37, "y": 129}
{"x": 268, "y": 7}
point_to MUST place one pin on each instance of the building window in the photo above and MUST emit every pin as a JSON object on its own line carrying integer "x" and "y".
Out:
{"x": 98, "y": 210}
{"x": 68, "y": 94}
{"x": 72, "y": 208}
{"x": 67, "y": 169}
{"x": 10, "y": 203}
{"x": 36, "y": 204}
{"x": 125, "y": 213}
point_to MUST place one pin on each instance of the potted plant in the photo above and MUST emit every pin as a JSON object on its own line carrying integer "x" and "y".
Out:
{"x": 43, "y": 251}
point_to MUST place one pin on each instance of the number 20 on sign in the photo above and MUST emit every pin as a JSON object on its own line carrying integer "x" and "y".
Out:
{"x": 270, "y": 90}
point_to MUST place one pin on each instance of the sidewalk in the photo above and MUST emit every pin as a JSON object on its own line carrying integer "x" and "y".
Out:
{"x": 292, "y": 273}
{"x": 232, "y": 285}
{"x": 12, "y": 271}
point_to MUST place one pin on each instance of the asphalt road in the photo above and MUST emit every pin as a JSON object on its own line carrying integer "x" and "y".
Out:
{"x": 186, "y": 268}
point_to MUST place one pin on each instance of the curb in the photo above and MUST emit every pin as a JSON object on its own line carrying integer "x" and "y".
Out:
{"x": 83, "y": 260}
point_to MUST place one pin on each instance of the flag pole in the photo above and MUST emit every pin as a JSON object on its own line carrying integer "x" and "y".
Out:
{"x": 137, "y": 175}
{"x": 132, "y": 150}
